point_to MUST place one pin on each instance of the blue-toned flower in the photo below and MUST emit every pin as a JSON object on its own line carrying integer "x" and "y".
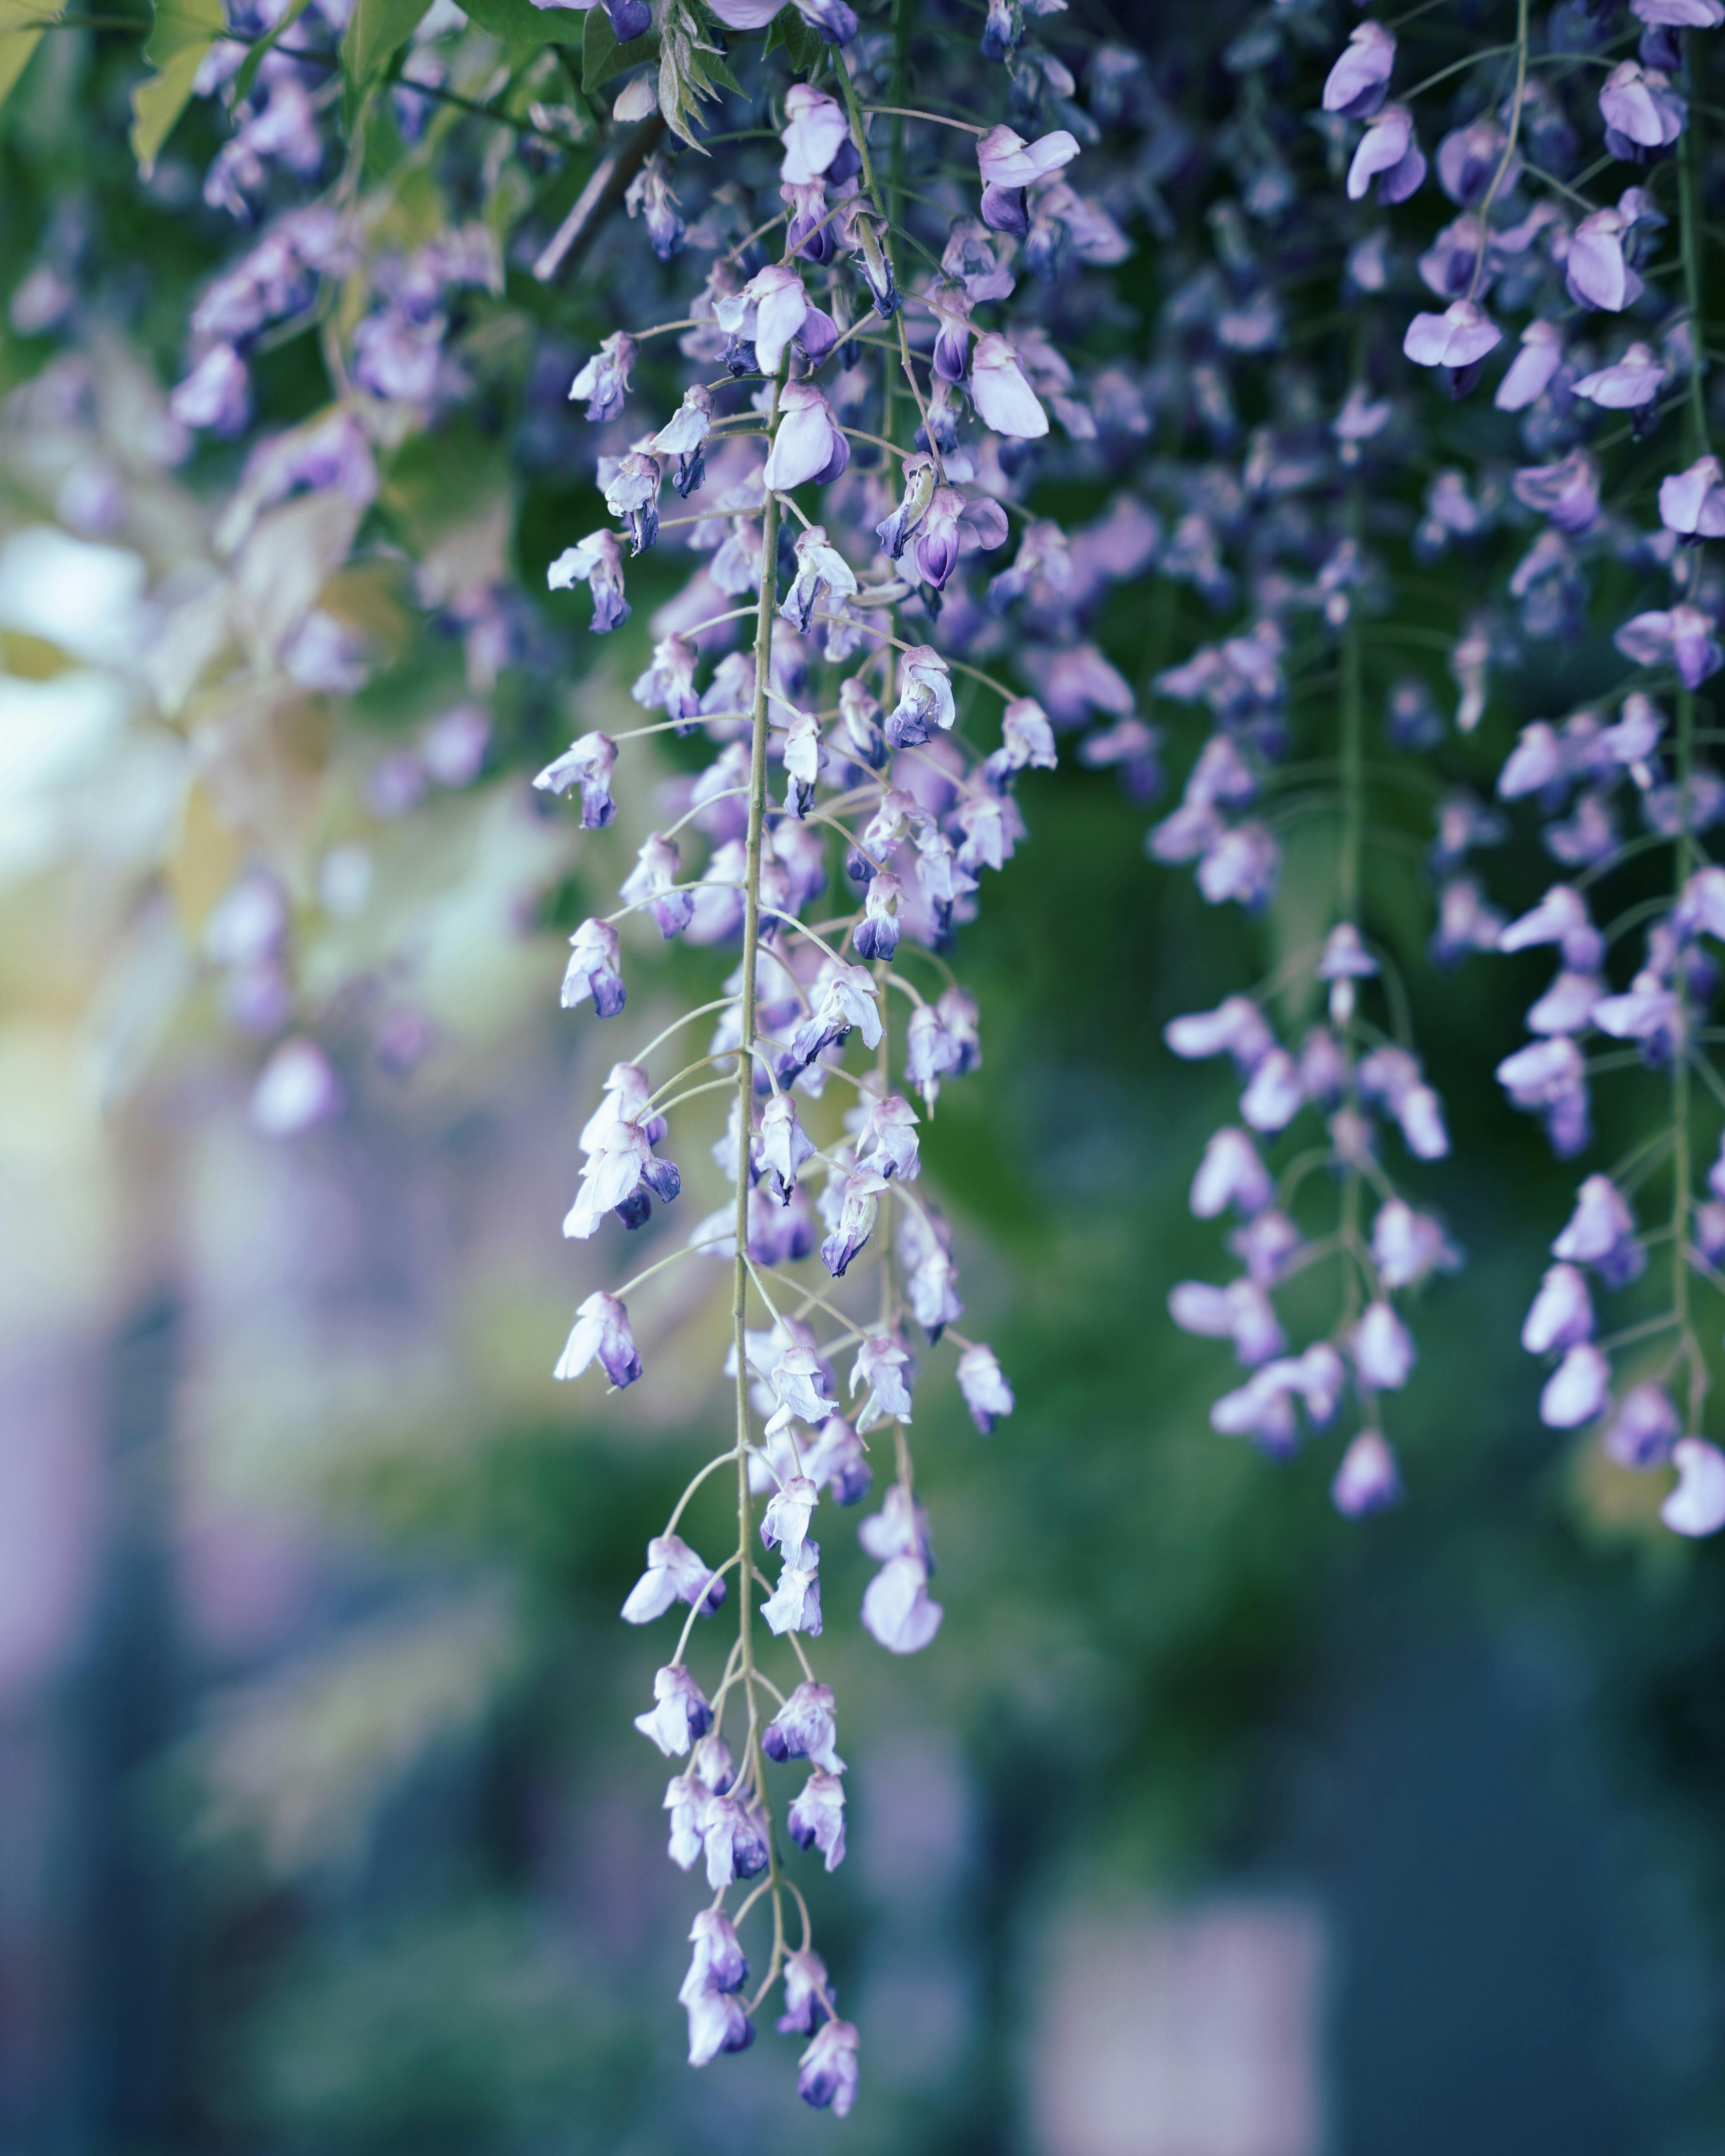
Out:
{"x": 648, "y": 196}
{"x": 1596, "y": 270}
{"x": 1532, "y": 369}
{"x": 1230, "y": 1174}
{"x": 807, "y": 1988}
{"x": 1241, "y": 1311}
{"x": 1389, "y": 154}
{"x": 805, "y": 1727}
{"x": 588, "y": 764}
{"x": 1628, "y": 383}
{"x": 784, "y": 1525}
{"x": 1601, "y": 1233}
{"x": 717, "y": 2022}
{"x": 603, "y": 380}
{"x": 1696, "y": 1506}
{"x": 844, "y": 997}
{"x": 837, "y": 1463}
{"x": 1578, "y": 1389}
{"x": 1008, "y": 165}
{"x": 884, "y": 1367}
{"x": 862, "y": 1192}
{"x": 986, "y": 1392}
{"x": 1641, "y": 109}
{"x": 816, "y": 1819}
{"x": 821, "y": 571}
{"x": 925, "y": 698}
{"x": 651, "y": 885}
{"x": 684, "y": 436}
{"x": 601, "y": 1331}
{"x": 732, "y": 1838}
{"x": 827, "y": 2071}
{"x": 896, "y": 1610}
{"x": 1368, "y": 1480}
{"x": 785, "y": 1145}
{"x": 1001, "y": 391}
{"x": 685, "y": 1798}
{"x": 1643, "y": 1431}
{"x": 1691, "y": 503}
{"x": 1382, "y": 1348}
{"x": 1358, "y": 82}
{"x": 1408, "y": 1246}
{"x": 809, "y": 444}
{"x": 1567, "y": 492}
{"x": 596, "y": 562}
{"x": 632, "y": 494}
{"x": 216, "y": 395}
{"x": 681, "y": 1713}
{"x": 674, "y": 1573}
{"x": 1682, "y": 637}
{"x": 718, "y": 1963}
{"x": 593, "y": 969}
{"x": 815, "y": 132}
{"x": 794, "y": 1605}
{"x": 1459, "y": 337}
{"x": 1562, "y": 1312}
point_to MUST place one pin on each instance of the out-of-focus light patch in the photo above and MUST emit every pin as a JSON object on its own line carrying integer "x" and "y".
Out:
{"x": 86, "y": 597}
{"x": 244, "y": 1574}
{"x": 55, "y": 737}
{"x": 50, "y": 1506}
{"x": 1195, "y": 2032}
{"x": 296, "y": 1091}
{"x": 58, "y": 1192}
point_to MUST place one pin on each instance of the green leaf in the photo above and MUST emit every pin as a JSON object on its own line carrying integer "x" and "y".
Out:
{"x": 519, "y": 22}
{"x": 377, "y": 32}
{"x": 601, "y": 56}
{"x": 803, "y": 45}
{"x": 254, "y": 58}
{"x": 21, "y": 23}
{"x": 183, "y": 32}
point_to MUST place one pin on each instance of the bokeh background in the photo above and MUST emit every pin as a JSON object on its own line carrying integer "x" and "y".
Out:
{"x": 1211, "y": 1826}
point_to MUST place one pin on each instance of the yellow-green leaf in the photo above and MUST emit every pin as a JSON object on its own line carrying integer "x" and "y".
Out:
{"x": 183, "y": 32}
{"x": 21, "y": 25}
{"x": 254, "y": 58}
{"x": 379, "y": 29}
{"x": 601, "y": 56}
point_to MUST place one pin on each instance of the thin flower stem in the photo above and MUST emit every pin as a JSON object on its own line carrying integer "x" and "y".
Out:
{"x": 1509, "y": 147}
{"x": 686, "y": 1250}
{"x": 721, "y": 1459}
{"x": 717, "y": 1574}
{"x": 938, "y": 119}
{"x": 694, "y": 1093}
{"x": 704, "y": 1010}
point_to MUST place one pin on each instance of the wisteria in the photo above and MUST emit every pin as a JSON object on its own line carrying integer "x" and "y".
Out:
{"x": 1316, "y": 424}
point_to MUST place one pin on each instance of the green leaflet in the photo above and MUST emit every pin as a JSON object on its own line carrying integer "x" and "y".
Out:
{"x": 519, "y": 22}
{"x": 20, "y": 28}
{"x": 601, "y": 56}
{"x": 183, "y": 32}
{"x": 803, "y": 45}
{"x": 378, "y": 30}
{"x": 691, "y": 70}
{"x": 254, "y": 58}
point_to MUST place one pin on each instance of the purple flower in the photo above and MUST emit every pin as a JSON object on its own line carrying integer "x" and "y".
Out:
{"x": 925, "y": 698}
{"x": 882, "y": 1365}
{"x": 806, "y": 1987}
{"x": 896, "y": 1610}
{"x": 1562, "y": 1312}
{"x": 1680, "y": 14}
{"x": 216, "y": 394}
{"x": 1358, "y": 83}
{"x": 1460, "y": 335}
{"x": 794, "y": 1605}
{"x": 603, "y": 380}
{"x": 844, "y": 997}
{"x": 1368, "y": 1480}
{"x": 734, "y": 1845}
{"x": 986, "y": 1392}
{"x": 1691, "y": 503}
{"x": 1388, "y": 154}
{"x": 1382, "y": 1348}
{"x": 718, "y": 1963}
{"x": 1240, "y": 1311}
{"x": 674, "y": 1573}
{"x": 826, "y": 2072}
{"x": 1407, "y": 1245}
{"x": 650, "y": 197}
{"x": 1577, "y": 1390}
{"x": 1642, "y": 1431}
{"x": 836, "y": 1462}
{"x": 1008, "y": 165}
{"x": 1641, "y": 110}
{"x": 650, "y": 883}
{"x": 593, "y": 969}
{"x": 1235, "y": 1027}
{"x": 1596, "y": 271}
{"x": 1561, "y": 917}
{"x": 632, "y": 494}
{"x": 816, "y": 1819}
{"x": 1230, "y": 1174}
{"x": 1001, "y": 391}
{"x": 785, "y": 1145}
{"x": 717, "y": 2022}
{"x": 815, "y": 132}
{"x": 684, "y": 436}
{"x": 804, "y": 1728}
{"x": 809, "y": 444}
{"x": 863, "y": 1189}
{"x": 1696, "y": 1506}
{"x": 1468, "y": 159}
{"x": 589, "y": 762}
{"x": 785, "y": 1523}
{"x": 1532, "y": 369}
{"x": 821, "y": 569}
{"x": 1628, "y": 383}
{"x": 597, "y": 563}
{"x": 1681, "y": 638}
{"x": 1601, "y": 1233}
{"x": 601, "y": 1330}
{"x": 682, "y": 1712}
{"x": 1567, "y": 492}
